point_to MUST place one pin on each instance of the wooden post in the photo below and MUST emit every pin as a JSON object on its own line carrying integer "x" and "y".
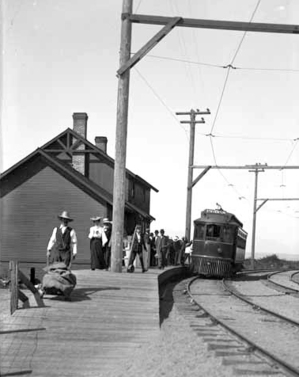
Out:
{"x": 119, "y": 189}
{"x": 256, "y": 171}
{"x": 190, "y": 176}
{"x": 13, "y": 266}
{"x": 192, "y": 123}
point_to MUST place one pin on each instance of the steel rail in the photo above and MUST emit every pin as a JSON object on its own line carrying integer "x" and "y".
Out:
{"x": 282, "y": 364}
{"x": 243, "y": 298}
{"x": 281, "y": 285}
{"x": 292, "y": 277}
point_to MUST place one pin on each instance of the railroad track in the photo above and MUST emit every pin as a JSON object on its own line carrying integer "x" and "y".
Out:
{"x": 286, "y": 280}
{"x": 250, "y": 339}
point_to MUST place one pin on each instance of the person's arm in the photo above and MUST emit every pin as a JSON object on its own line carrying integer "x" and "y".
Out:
{"x": 90, "y": 236}
{"x": 74, "y": 242}
{"x": 51, "y": 242}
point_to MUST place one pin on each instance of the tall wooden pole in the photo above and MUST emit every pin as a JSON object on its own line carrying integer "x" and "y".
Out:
{"x": 192, "y": 123}
{"x": 119, "y": 189}
{"x": 190, "y": 176}
{"x": 256, "y": 171}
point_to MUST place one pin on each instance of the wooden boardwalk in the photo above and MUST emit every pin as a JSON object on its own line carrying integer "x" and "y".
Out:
{"x": 109, "y": 317}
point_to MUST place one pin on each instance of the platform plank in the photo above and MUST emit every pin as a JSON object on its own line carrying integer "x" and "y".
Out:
{"x": 109, "y": 317}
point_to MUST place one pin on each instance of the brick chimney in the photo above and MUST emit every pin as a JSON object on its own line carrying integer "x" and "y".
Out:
{"x": 101, "y": 143}
{"x": 80, "y": 127}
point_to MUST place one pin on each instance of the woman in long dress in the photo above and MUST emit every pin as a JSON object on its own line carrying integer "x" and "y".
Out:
{"x": 97, "y": 241}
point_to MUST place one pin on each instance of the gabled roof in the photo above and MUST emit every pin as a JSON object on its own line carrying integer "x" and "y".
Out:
{"x": 56, "y": 146}
{"x": 85, "y": 184}
{"x": 63, "y": 143}
{"x": 98, "y": 153}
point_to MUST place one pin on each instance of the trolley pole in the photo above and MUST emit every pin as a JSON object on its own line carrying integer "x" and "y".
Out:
{"x": 119, "y": 185}
{"x": 192, "y": 123}
{"x": 256, "y": 171}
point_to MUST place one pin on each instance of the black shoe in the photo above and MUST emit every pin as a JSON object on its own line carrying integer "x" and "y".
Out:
{"x": 143, "y": 270}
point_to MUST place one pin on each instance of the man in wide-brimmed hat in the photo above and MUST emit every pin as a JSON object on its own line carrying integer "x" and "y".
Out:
{"x": 63, "y": 241}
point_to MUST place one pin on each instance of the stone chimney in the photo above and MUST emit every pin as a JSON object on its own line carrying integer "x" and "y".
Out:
{"x": 80, "y": 127}
{"x": 101, "y": 143}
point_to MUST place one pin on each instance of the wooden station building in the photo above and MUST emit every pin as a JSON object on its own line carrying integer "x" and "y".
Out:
{"x": 67, "y": 173}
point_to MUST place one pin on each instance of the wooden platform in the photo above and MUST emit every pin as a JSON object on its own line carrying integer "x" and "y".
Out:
{"x": 109, "y": 317}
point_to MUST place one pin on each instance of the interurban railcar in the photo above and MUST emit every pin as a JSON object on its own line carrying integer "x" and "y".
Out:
{"x": 219, "y": 243}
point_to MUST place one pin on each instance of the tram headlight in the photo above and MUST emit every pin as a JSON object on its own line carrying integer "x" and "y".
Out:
{"x": 219, "y": 250}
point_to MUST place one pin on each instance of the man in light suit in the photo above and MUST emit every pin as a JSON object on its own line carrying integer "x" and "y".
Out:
{"x": 158, "y": 248}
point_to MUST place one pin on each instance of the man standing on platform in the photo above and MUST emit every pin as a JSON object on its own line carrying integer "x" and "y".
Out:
{"x": 64, "y": 241}
{"x": 164, "y": 249}
{"x": 147, "y": 242}
{"x": 137, "y": 247}
{"x": 158, "y": 248}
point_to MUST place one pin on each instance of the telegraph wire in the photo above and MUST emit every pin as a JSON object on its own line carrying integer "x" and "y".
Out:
{"x": 138, "y": 6}
{"x": 245, "y": 33}
{"x": 245, "y": 137}
{"x": 292, "y": 151}
{"x": 218, "y": 65}
{"x": 161, "y": 101}
{"x": 229, "y": 67}
{"x": 188, "y": 69}
{"x": 220, "y": 101}
{"x": 223, "y": 176}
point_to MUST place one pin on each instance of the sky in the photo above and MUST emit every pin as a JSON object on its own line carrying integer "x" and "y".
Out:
{"x": 61, "y": 57}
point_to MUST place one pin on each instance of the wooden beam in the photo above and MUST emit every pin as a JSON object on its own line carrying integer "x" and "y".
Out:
{"x": 32, "y": 288}
{"x": 13, "y": 267}
{"x": 279, "y": 199}
{"x": 149, "y": 45}
{"x": 201, "y": 175}
{"x": 247, "y": 167}
{"x": 217, "y": 25}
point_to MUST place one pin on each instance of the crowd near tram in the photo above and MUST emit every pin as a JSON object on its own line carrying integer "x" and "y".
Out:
{"x": 216, "y": 250}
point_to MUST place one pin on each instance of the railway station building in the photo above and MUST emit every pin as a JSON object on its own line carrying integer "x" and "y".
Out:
{"x": 67, "y": 173}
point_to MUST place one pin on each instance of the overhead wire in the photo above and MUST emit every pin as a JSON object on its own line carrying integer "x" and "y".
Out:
{"x": 229, "y": 68}
{"x": 218, "y": 65}
{"x": 138, "y": 5}
{"x": 161, "y": 100}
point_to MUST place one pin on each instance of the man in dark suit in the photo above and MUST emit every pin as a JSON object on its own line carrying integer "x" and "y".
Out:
{"x": 164, "y": 249}
{"x": 137, "y": 247}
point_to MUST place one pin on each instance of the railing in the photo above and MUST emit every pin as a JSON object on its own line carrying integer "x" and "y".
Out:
{"x": 16, "y": 276}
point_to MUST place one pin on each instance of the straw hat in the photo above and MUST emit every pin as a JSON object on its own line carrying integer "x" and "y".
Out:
{"x": 96, "y": 218}
{"x": 66, "y": 216}
{"x": 107, "y": 221}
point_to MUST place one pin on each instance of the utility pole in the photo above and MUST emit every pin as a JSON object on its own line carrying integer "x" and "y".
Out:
{"x": 119, "y": 188}
{"x": 257, "y": 170}
{"x": 192, "y": 123}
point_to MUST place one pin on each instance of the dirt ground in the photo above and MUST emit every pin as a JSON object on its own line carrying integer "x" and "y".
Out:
{"x": 179, "y": 352}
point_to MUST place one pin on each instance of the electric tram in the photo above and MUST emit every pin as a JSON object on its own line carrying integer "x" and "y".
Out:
{"x": 219, "y": 243}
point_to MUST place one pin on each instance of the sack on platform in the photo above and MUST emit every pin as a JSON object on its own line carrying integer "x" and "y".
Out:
{"x": 58, "y": 279}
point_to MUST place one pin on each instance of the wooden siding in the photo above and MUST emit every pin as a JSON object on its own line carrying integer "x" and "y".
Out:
{"x": 136, "y": 193}
{"x": 139, "y": 195}
{"x": 102, "y": 174}
{"x": 29, "y": 214}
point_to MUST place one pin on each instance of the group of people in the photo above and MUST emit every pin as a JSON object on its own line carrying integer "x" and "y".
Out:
{"x": 161, "y": 250}
{"x": 158, "y": 249}
{"x": 62, "y": 246}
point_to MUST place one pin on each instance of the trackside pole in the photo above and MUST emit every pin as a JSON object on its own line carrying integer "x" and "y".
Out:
{"x": 121, "y": 141}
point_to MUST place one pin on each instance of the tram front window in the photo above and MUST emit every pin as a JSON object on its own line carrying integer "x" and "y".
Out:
{"x": 213, "y": 232}
{"x": 227, "y": 234}
{"x": 199, "y": 232}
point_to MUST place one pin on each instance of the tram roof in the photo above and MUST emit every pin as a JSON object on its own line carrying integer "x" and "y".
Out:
{"x": 218, "y": 216}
